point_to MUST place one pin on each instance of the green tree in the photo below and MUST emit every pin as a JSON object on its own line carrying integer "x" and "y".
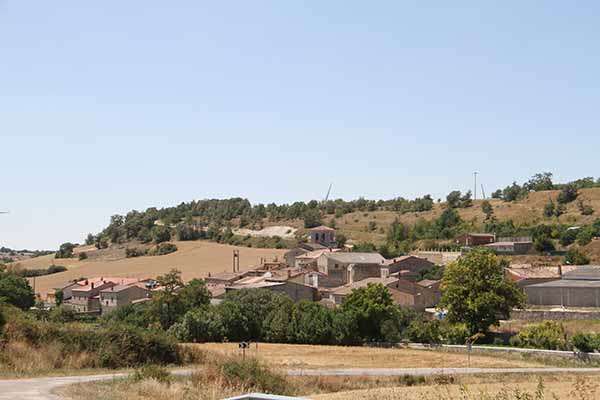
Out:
{"x": 244, "y": 312}
{"x": 539, "y": 182}
{"x": 312, "y": 218}
{"x": 59, "y": 297}
{"x": 371, "y": 306}
{"x": 166, "y": 306}
{"x": 203, "y": 324}
{"x": 549, "y": 209}
{"x": 487, "y": 209}
{"x": 585, "y": 236}
{"x": 160, "y": 233}
{"x": 277, "y": 324}
{"x": 90, "y": 239}
{"x": 65, "y": 250}
{"x": 575, "y": 257}
{"x": 15, "y": 290}
{"x": 568, "y": 194}
{"x": 453, "y": 199}
{"x": 311, "y": 324}
{"x": 513, "y": 192}
{"x": 195, "y": 294}
{"x": 475, "y": 291}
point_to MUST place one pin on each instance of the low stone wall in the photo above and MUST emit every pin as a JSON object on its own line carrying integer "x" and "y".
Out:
{"x": 541, "y": 315}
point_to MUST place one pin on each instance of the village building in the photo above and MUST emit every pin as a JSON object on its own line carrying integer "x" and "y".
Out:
{"x": 409, "y": 263}
{"x": 438, "y": 257}
{"x": 434, "y": 286}
{"x": 511, "y": 247}
{"x": 224, "y": 278}
{"x": 404, "y": 293}
{"x": 475, "y": 239}
{"x": 85, "y": 297}
{"x": 296, "y": 291}
{"x": 579, "y": 287}
{"x": 527, "y": 274}
{"x": 309, "y": 260}
{"x": 341, "y": 267}
{"x": 322, "y": 235}
{"x": 121, "y": 295}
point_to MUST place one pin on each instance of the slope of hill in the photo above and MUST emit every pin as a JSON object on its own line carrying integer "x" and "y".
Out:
{"x": 195, "y": 259}
{"x": 529, "y": 211}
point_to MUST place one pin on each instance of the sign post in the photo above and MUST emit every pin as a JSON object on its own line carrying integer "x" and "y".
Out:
{"x": 243, "y": 346}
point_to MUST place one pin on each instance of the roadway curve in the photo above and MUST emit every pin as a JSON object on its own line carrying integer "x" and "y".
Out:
{"x": 42, "y": 388}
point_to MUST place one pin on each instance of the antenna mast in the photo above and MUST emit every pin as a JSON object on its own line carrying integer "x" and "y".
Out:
{"x": 475, "y": 186}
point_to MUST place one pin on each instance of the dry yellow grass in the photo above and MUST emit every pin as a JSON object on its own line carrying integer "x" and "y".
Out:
{"x": 571, "y": 326}
{"x": 315, "y": 357}
{"x": 563, "y": 387}
{"x": 194, "y": 259}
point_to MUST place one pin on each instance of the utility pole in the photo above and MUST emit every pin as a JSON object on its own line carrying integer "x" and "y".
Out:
{"x": 475, "y": 186}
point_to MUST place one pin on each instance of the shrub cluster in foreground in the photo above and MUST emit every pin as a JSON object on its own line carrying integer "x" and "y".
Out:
{"x": 110, "y": 346}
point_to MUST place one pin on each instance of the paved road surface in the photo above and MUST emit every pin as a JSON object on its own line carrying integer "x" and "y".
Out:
{"x": 41, "y": 388}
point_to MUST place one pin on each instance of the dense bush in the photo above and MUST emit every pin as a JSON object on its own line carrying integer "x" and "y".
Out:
{"x": 567, "y": 194}
{"x": 29, "y": 273}
{"x": 575, "y": 257}
{"x": 251, "y": 373}
{"x": 15, "y": 290}
{"x": 131, "y": 252}
{"x": 547, "y": 335}
{"x": 162, "y": 249}
{"x": 113, "y": 346}
{"x": 586, "y": 342}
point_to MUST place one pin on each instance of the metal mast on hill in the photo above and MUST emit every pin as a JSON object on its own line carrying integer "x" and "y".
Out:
{"x": 328, "y": 193}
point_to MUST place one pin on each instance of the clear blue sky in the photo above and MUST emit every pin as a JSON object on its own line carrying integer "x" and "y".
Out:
{"x": 109, "y": 106}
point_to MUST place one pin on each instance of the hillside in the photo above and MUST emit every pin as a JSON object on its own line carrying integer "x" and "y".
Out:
{"x": 528, "y": 211}
{"x": 194, "y": 259}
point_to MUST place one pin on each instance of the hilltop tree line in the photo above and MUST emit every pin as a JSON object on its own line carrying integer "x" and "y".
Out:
{"x": 543, "y": 181}
{"x": 210, "y": 219}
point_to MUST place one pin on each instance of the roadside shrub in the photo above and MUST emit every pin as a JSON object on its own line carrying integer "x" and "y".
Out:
{"x": 111, "y": 346}
{"x": 83, "y": 256}
{"x": 586, "y": 342}
{"x": 251, "y": 373}
{"x": 547, "y": 335}
{"x": 155, "y": 372}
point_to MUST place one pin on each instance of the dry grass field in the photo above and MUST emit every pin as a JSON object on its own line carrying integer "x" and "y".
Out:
{"x": 315, "y": 357}
{"x": 571, "y": 326}
{"x": 506, "y": 387}
{"x": 194, "y": 259}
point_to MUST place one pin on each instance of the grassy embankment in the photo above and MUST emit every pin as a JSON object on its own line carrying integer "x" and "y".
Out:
{"x": 225, "y": 374}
